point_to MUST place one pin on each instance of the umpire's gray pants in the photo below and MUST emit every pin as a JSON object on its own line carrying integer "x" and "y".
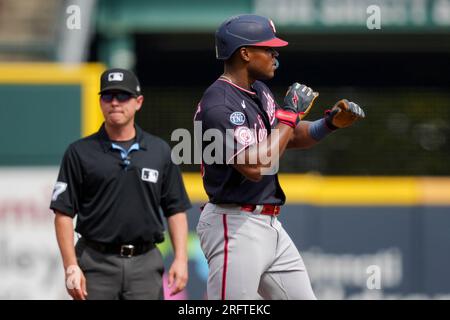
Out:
{"x": 112, "y": 277}
{"x": 250, "y": 256}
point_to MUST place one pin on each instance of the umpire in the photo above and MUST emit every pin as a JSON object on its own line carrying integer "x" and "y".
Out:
{"x": 115, "y": 181}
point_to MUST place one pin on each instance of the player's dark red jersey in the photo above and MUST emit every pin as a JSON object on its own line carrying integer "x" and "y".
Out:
{"x": 250, "y": 116}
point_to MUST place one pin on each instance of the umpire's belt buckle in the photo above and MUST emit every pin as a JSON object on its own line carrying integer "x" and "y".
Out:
{"x": 127, "y": 250}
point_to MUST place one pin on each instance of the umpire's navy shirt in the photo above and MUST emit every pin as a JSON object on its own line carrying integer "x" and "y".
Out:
{"x": 116, "y": 193}
{"x": 251, "y": 116}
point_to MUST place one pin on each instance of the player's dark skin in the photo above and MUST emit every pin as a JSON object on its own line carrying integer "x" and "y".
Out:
{"x": 247, "y": 65}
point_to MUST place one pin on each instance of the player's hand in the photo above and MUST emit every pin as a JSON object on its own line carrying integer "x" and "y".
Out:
{"x": 76, "y": 283}
{"x": 299, "y": 100}
{"x": 178, "y": 276}
{"x": 343, "y": 114}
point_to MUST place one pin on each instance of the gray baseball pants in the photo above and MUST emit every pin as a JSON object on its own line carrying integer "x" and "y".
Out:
{"x": 112, "y": 277}
{"x": 250, "y": 256}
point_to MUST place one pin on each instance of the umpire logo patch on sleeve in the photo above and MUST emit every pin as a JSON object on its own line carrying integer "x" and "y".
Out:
{"x": 237, "y": 118}
{"x": 59, "y": 188}
{"x": 149, "y": 175}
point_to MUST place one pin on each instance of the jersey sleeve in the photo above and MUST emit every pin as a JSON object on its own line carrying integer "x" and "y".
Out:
{"x": 65, "y": 196}
{"x": 226, "y": 133}
{"x": 271, "y": 106}
{"x": 174, "y": 198}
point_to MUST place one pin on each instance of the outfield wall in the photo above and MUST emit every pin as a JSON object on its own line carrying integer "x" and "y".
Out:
{"x": 46, "y": 106}
{"x": 340, "y": 232}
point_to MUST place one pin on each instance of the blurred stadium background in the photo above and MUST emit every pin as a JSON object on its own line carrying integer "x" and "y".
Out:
{"x": 374, "y": 195}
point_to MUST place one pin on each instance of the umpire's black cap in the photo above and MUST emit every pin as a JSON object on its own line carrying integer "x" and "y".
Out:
{"x": 120, "y": 79}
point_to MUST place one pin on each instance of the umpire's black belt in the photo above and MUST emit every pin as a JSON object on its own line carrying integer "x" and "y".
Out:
{"x": 123, "y": 250}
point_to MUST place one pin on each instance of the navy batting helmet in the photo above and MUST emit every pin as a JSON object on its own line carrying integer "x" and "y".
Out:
{"x": 245, "y": 30}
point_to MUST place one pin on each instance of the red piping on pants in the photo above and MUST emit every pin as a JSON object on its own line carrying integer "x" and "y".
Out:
{"x": 225, "y": 256}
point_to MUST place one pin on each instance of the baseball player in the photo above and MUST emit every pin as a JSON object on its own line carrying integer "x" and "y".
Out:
{"x": 249, "y": 253}
{"x": 115, "y": 181}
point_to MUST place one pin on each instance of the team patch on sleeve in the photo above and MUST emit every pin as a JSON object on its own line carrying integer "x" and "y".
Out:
{"x": 244, "y": 136}
{"x": 237, "y": 118}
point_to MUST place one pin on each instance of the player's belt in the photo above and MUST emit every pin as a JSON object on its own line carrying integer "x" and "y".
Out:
{"x": 267, "y": 209}
{"x": 123, "y": 250}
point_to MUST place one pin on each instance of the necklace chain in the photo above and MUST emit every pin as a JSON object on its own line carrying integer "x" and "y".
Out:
{"x": 226, "y": 78}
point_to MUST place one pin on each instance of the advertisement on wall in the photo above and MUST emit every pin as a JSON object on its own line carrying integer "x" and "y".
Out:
{"x": 351, "y": 252}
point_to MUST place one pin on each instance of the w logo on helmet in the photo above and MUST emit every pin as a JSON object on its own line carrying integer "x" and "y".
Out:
{"x": 272, "y": 25}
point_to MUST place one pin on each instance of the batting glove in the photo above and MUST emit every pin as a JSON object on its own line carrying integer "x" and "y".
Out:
{"x": 343, "y": 114}
{"x": 298, "y": 101}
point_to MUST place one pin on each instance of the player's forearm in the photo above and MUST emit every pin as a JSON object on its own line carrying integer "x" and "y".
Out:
{"x": 279, "y": 146}
{"x": 266, "y": 153}
{"x": 178, "y": 231}
{"x": 273, "y": 146}
{"x": 64, "y": 236}
{"x": 301, "y": 139}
